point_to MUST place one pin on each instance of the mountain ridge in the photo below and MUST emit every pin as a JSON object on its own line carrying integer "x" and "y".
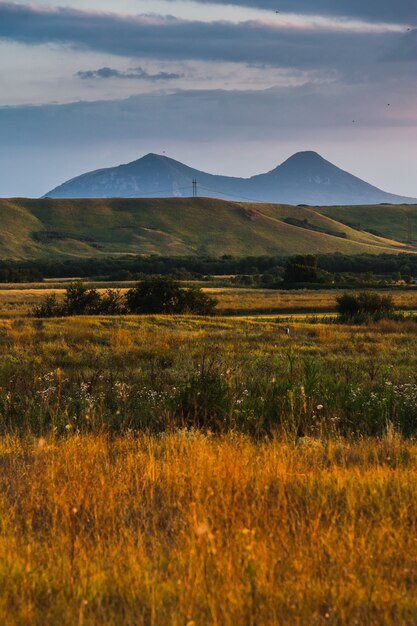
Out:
{"x": 303, "y": 178}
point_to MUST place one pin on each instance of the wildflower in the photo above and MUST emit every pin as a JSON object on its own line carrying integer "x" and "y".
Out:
{"x": 319, "y": 407}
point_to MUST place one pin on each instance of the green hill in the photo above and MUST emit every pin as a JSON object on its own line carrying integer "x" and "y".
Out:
{"x": 183, "y": 226}
{"x": 396, "y": 221}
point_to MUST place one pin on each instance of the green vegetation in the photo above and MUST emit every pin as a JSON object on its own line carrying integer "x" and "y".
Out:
{"x": 52, "y": 228}
{"x": 395, "y": 221}
{"x": 156, "y": 294}
{"x": 156, "y": 373}
{"x": 365, "y": 307}
{"x": 331, "y": 269}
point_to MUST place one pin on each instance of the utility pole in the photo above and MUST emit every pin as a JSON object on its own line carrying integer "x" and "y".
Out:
{"x": 194, "y": 188}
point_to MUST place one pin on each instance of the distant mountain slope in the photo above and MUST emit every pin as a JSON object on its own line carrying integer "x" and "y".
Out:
{"x": 303, "y": 178}
{"x": 179, "y": 226}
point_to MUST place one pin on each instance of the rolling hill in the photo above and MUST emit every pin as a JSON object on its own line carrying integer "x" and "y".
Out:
{"x": 190, "y": 226}
{"x": 303, "y": 178}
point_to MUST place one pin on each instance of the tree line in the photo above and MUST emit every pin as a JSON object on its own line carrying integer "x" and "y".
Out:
{"x": 189, "y": 267}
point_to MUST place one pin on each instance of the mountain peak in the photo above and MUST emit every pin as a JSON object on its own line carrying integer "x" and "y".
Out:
{"x": 306, "y": 158}
{"x": 151, "y": 157}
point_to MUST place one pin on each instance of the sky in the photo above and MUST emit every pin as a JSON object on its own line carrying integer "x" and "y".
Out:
{"x": 230, "y": 88}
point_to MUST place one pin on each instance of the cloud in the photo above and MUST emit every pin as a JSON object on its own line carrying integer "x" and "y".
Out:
{"x": 137, "y": 73}
{"x": 276, "y": 44}
{"x": 202, "y": 115}
{"x": 395, "y": 11}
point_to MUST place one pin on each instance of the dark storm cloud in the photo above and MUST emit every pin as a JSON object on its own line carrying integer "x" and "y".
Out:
{"x": 395, "y": 11}
{"x": 171, "y": 38}
{"x": 136, "y": 73}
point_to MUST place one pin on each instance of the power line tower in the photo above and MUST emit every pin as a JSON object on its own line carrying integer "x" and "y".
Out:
{"x": 194, "y": 188}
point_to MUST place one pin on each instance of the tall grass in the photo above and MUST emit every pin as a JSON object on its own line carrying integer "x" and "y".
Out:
{"x": 159, "y": 374}
{"x": 187, "y": 529}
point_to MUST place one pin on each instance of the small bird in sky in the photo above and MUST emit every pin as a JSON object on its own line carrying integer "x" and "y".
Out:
{"x": 277, "y": 11}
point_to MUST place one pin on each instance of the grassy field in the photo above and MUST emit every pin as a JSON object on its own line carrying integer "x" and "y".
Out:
{"x": 19, "y": 300}
{"x": 188, "y": 471}
{"x": 185, "y": 226}
{"x": 191, "y": 530}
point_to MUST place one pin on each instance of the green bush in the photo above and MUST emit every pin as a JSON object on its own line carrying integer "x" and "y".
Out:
{"x": 81, "y": 301}
{"x": 160, "y": 294}
{"x": 153, "y": 295}
{"x": 364, "y": 307}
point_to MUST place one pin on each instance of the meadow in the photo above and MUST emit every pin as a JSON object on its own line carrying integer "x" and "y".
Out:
{"x": 19, "y": 300}
{"x": 179, "y": 470}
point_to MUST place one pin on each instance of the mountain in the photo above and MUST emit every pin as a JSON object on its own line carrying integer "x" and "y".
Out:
{"x": 304, "y": 178}
{"x": 308, "y": 178}
{"x": 153, "y": 175}
{"x": 51, "y": 228}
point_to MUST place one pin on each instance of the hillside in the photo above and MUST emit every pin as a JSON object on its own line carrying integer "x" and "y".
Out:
{"x": 186, "y": 226}
{"x": 303, "y": 178}
{"x": 397, "y": 222}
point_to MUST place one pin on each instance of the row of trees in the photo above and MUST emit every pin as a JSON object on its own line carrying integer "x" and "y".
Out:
{"x": 131, "y": 268}
{"x": 154, "y": 295}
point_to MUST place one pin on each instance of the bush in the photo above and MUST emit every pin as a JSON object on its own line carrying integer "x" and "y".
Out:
{"x": 364, "y": 307}
{"x": 194, "y": 300}
{"x": 112, "y": 302}
{"x": 49, "y": 307}
{"x": 81, "y": 301}
{"x": 153, "y": 295}
{"x": 160, "y": 294}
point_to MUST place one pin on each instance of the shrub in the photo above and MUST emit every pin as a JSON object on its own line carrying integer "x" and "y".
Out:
{"x": 49, "y": 307}
{"x": 112, "y": 302}
{"x": 364, "y": 307}
{"x": 81, "y": 301}
{"x": 194, "y": 300}
{"x": 161, "y": 294}
{"x": 152, "y": 295}
{"x": 158, "y": 294}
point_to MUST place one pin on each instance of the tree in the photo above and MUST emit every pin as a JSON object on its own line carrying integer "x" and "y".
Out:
{"x": 160, "y": 294}
{"x": 81, "y": 301}
{"x": 301, "y": 269}
{"x": 364, "y": 307}
{"x": 194, "y": 300}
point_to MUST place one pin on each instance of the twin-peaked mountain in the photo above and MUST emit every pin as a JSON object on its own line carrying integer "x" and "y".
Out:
{"x": 304, "y": 178}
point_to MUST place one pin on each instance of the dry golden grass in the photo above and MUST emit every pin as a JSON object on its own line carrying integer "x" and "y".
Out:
{"x": 294, "y": 301}
{"x": 192, "y": 530}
